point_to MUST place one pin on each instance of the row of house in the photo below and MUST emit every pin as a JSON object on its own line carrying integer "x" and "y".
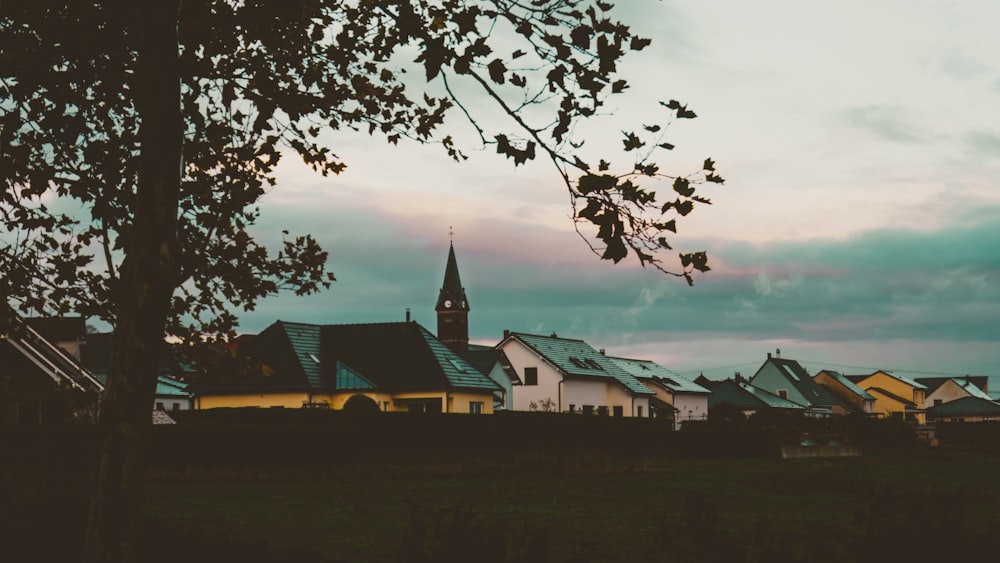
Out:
{"x": 783, "y": 384}
{"x": 402, "y": 366}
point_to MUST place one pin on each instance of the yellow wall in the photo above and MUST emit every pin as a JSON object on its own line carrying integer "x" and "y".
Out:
{"x": 287, "y": 400}
{"x": 899, "y": 388}
{"x": 457, "y": 402}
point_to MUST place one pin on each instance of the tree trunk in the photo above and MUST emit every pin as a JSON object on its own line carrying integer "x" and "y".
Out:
{"x": 146, "y": 284}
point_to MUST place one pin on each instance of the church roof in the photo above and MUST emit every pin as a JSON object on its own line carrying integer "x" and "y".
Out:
{"x": 452, "y": 288}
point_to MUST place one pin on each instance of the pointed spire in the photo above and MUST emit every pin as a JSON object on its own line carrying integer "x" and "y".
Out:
{"x": 451, "y": 289}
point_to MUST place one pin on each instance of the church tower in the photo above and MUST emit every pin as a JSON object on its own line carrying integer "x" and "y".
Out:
{"x": 453, "y": 308}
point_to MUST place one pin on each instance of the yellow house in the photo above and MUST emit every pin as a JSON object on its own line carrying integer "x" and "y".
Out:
{"x": 401, "y": 366}
{"x": 895, "y": 395}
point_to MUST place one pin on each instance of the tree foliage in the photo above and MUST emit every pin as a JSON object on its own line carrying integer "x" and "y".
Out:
{"x": 264, "y": 79}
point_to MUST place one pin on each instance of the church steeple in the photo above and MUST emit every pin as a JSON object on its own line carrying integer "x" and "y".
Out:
{"x": 453, "y": 308}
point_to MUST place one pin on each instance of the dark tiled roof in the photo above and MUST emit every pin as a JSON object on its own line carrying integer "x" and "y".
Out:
{"x": 816, "y": 394}
{"x": 906, "y": 402}
{"x": 576, "y": 358}
{"x": 846, "y": 383}
{"x": 966, "y": 406}
{"x": 401, "y": 356}
{"x": 745, "y": 396}
{"x": 655, "y": 373}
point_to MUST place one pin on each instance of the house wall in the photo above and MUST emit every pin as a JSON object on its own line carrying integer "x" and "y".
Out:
{"x": 460, "y": 401}
{"x": 500, "y": 378}
{"x": 947, "y": 392}
{"x": 771, "y": 378}
{"x": 690, "y": 406}
{"x": 521, "y": 357}
{"x": 886, "y": 405}
{"x": 839, "y": 390}
{"x": 287, "y": 400}
{"x": 184, "y": 403}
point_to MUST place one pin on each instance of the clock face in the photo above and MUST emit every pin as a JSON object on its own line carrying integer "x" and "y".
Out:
{"x": 447, "y": 303}
{"x": 463, "y": 303}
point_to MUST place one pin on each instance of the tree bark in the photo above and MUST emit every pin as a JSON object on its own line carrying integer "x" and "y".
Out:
{"x": 146, "y": 284}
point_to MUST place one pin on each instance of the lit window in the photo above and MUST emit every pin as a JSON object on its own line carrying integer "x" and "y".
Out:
{"x": 475, "y": 407}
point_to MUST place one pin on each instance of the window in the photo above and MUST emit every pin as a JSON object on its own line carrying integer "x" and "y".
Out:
{"x": 937, "y": 402}
{"x": 576, "y": 362}
{"x": 602, "y": 411}
{"x": 638, "y": 411}
{"x": 594, "y": 365}
{"x": 175, "y": 406}
{"x": 588, "y": 409}
{"x": 475, "y": 407}
{"x": 783, "y": 393}
{"x": 572, "y": 408}
{"x": 531, "y": 376}
{"x": 619, "y": 411}
{"x": 458, "y": 366}
{"x": 159, "y": 406}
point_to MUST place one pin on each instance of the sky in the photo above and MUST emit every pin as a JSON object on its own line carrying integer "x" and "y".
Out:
{"x": 858, "y": 228}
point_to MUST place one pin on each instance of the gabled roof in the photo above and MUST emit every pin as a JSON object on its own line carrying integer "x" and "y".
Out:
{"x": 798, "y": 377}
{"x": 745, "y": 396}
{"x": 973, "y": 385}
{"x": 651, "y": 371}
{"x": 966, "y": 406}
{"x": 31, "y": 348}
{"x": 576, "y": 358}
{"x": 58, "y": 329}
{"x": 483, "y": 358}
{"x": 400, "y": 356}
{"x": 906, "y": 402}
{"x": 168, "y": 386}
{"x": 899, "y": 377}
{"x": 390, "y": 357}
{"x": 846, "y": 383}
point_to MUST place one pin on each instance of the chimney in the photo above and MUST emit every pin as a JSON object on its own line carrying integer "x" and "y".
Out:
{"x": 554, "y": 335}
{"x": 506, "y": 333}
{"x": 769, "y": 355}
{"x": 407, "y": 314}
{"x": 602, "y": 352}
{"x": 777, "y": 352}
{"x": 739, "y": 377}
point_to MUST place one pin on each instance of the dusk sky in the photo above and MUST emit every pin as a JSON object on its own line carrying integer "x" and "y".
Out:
{"x": 858, "y": 229}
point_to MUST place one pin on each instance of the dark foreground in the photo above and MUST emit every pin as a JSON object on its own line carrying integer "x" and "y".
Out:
{"x": 908, "y": 503}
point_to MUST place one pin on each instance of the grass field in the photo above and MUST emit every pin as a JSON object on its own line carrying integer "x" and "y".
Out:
{"x": 866, "y": 508}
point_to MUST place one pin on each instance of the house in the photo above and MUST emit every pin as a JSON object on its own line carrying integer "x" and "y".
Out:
{"x": 568, "y": 375}
{"x": 942, "y": 390}
{"x": 676, "y": 397}
{"x": 965, "y": 409}
{"x": 749, "y": 399}
{"x": 895, "y": 395}
{"x": 789, "y": 380}
{"x": 42, "y": 383}
{"x": 399, "y": 365}
{"x": 494, "y": 364}
{"x": 851, "y": 398}
{"x": 171, "y": 393}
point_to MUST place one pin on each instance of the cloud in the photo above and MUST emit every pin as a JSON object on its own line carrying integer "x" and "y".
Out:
{"x": 890, "y": 123}
{"x": 984, "y": 143}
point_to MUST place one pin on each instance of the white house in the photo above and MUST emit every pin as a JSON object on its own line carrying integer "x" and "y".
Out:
{"x": 686, "y": 399}
{"x": 568, "y": 375}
